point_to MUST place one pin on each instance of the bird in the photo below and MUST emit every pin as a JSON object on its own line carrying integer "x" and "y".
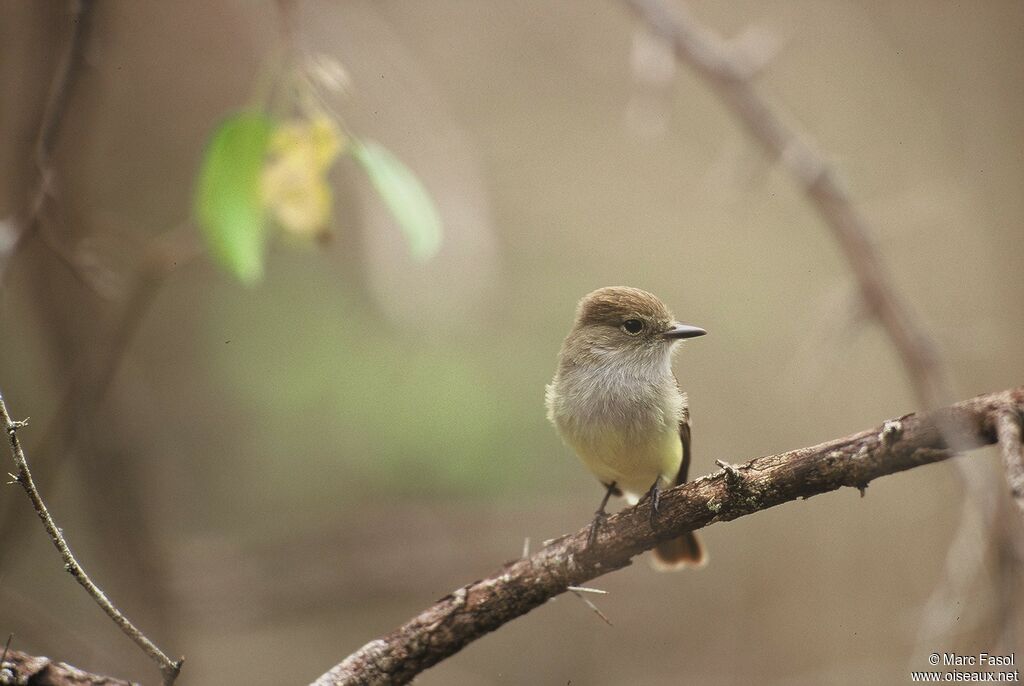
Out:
{"x": 616, "y": 402}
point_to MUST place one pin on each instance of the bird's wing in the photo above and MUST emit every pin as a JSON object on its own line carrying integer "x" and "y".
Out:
{"x": 684, "y": 437}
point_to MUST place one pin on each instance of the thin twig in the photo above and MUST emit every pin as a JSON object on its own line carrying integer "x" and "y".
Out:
{"x": 169, "y": 668}
{"x": 62, "y": 84}
{"x": 64, "y": 78}
{"x": 591, "y": 605}
{"x": 482, "y": 606}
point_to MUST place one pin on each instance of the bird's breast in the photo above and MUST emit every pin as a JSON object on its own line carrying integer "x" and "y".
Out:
{"x": 624, "y": 427}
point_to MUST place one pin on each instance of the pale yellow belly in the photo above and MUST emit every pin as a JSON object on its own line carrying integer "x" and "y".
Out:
{"x": 632, "y": 462}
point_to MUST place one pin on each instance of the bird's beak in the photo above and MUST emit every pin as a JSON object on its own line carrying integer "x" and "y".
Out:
{"x": 683, "y": 331}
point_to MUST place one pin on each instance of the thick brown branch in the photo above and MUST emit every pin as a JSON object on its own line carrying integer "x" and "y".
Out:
{"x": 483, "y": 606}
{"x": 41, "y": 671}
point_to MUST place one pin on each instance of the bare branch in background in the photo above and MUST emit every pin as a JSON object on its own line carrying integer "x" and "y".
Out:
{"x": 63, "y": 81}
{"x": 89, "y": 380}
{"x": 482, "y": 606}
{"x": 64, "y": 78}
{"x": 56, "y": 105}
{"x": 83, "y": 371}
{"x": 168, "y": 667}
{"x": 730, "y": 73}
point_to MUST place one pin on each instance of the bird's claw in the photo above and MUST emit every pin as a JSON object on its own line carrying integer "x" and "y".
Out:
{"x": 595, "y": 527}
{"x": 654, "y": 494}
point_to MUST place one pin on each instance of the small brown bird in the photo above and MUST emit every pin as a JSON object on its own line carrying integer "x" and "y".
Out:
{"x": 616, "y": 402}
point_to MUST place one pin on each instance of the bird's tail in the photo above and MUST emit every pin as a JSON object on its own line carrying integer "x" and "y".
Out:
{"x": 677, "y": 553}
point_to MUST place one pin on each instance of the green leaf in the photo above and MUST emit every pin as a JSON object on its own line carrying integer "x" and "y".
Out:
{"x": 406, "y": 198}
{"x": 228, "y": 205}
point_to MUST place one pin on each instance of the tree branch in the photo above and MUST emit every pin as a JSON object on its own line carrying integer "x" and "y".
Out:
{"x": 41, "y": 671}
{"x": 482, "y": 606}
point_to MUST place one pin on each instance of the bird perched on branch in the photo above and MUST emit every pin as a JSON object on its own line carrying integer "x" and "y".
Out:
{"x": 616, "y": 402}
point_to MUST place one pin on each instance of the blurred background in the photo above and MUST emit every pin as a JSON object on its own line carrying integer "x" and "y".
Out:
{"x": 266, "y": 478}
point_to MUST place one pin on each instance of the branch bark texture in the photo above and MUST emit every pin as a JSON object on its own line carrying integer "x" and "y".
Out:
{"x": 482, "y": 606}
{"x": 42, "y": 671}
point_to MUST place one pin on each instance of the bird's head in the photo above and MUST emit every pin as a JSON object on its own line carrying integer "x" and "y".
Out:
{"x": 625, "y": 323}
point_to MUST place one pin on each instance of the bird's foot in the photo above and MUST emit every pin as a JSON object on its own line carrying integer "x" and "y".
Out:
{"x": 600, "y": 515}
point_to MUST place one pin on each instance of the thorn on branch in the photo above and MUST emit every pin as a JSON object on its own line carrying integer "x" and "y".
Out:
{"x": 586, "y": 589}
{"x": 891, "y": 432}
{"x": 15, "y": 424}
{"x": 172, "y": 671}
{"x": 733, "y": 479}
{"x": 592, "y": 606}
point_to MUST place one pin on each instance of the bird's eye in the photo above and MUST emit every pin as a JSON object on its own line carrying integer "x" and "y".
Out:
{"x": 632, "y": 326}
